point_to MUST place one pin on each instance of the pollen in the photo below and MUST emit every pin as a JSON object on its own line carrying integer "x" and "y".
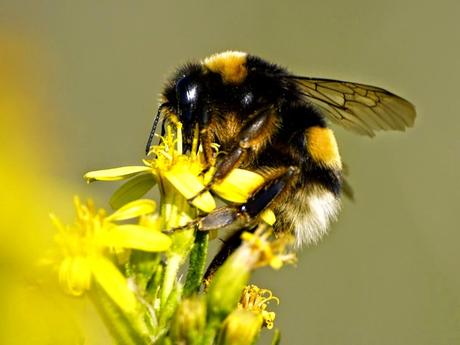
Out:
{"x": 256, "y": 300}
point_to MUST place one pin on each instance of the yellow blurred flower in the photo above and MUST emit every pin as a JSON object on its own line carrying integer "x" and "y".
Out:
{"x": 266, "y": 250}
{"x": 84, "y": 247}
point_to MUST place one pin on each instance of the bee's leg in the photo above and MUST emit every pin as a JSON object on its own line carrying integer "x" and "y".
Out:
{"x": 239, "y": 216}
{"x": 236, "y": 217}
{"x": 243, "y": 217}
{"x": 254, "y": 136}
{"x": 205, "y": 137}
{"x": 206, "y": 141}
{"x": 229, "y": 245}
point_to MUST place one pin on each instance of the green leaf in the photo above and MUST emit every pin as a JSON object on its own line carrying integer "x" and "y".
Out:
{"x": 133, "y": 189}
{"x": 153, "y": 286}
{"x": 168, "y": 309}
{"x": 142, "y": 265}
{"x": 197, "y": 264}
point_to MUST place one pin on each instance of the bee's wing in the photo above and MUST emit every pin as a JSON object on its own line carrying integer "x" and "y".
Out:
{"x": 347, "y": 189}
{"x": 358, "y": 107}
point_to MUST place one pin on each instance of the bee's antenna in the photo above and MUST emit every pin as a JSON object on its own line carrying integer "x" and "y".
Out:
{"x": 154, "y": 128}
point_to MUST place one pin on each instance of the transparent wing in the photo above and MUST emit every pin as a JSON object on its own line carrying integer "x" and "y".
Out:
{"x": 347, "y": 189}
{"x": 358, "y": 107}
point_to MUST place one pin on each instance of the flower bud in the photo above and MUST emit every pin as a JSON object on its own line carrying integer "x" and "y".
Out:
{"x": 241, "y": 327}
{"x": 225, "y": 289}
{"x": 189, "y": 321}
{"x": 231, "y": 278}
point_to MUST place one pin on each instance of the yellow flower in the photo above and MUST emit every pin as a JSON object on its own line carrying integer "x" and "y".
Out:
{"x": 184, "y": 172}
{"x": 242, "y": 326}
{"x": 181, "y": 177}
{"x": 169, "y": 166}
{"x": 84, "y": 247}
{"x": 256, "y": 300}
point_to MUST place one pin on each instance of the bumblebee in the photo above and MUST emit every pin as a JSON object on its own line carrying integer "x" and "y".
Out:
{"x": 274, "y": 123}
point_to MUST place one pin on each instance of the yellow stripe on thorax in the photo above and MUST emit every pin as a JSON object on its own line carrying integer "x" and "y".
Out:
{"x": 322, "y": 146}
{"x": 230, "y": 65}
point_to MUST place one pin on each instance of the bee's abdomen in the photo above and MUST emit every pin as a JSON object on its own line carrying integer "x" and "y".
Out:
{"x": 307, "y": 213}
{"x": 322, "y": 147}
{"x": 312, "y": 200}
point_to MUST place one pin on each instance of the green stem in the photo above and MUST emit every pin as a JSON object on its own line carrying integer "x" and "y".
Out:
{"x": 172, "y": 207}
{"x": 120, "y": 325}
{"x": 276, "y": 337}
{"x": 197, "y": 264}
{"x": 170, "y": 275}
{"x": 210, "y": 332}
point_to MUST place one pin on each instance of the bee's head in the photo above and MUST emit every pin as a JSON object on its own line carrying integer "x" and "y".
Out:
{"x": 183, "y": 100}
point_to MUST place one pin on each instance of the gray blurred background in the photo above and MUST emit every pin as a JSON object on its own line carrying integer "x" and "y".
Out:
{"x": 389, "y": 271}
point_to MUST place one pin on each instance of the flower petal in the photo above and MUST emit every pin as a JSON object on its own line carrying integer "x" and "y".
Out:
{"x": 238, "y": 185}
{"x": 135, "y": 237}
{"x": 113, "y": 282}
{"x": 205, "y": 202}
{"x": 132, "y": 190}
{"x": 133, "y": 209}
{"x": 268, "y": 217}
{"x": 184, "y": 181}
{"x": 115, "y": 174}
{"x": 276, "y": 263}
{"x": 190, "y": 185}
{"x": 152, "y": 221}
{"x": 75, "y": 275}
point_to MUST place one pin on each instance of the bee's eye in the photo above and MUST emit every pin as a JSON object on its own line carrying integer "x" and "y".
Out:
{"x": 187, "y": 92}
